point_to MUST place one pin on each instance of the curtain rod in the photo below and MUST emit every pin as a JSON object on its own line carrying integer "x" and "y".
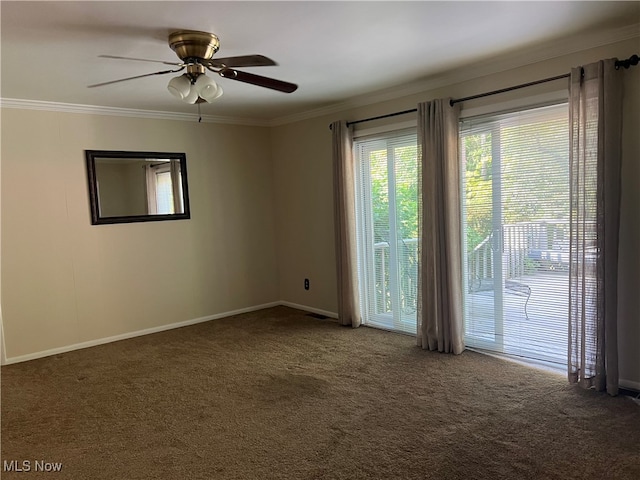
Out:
{"x": 633, "y": 60}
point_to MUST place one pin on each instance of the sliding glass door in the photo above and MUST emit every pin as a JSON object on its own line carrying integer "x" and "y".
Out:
{"x": 515, "y": 216}
{"x": 387, "y": 217}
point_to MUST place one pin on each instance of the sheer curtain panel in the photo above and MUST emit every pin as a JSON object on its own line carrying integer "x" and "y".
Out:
{"x": 176, "y": 185}
{"x": 440, "y": 322}
{"x": 345, "y": 225}
{"x": 595, "y": 109}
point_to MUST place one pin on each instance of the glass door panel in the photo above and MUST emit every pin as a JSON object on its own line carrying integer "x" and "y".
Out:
{"x": 387, "y": 226}
{"x": 482, "y": 224}
{"x": 515, "y": 218}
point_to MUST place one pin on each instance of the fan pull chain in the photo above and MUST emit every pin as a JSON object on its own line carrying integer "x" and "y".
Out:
{"x": 199, "y": 114}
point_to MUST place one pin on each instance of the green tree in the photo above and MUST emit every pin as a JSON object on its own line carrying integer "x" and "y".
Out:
{"x": 406, "y": 192}
{"x": 534, "y": 174}
{"x": 478, "y": 187}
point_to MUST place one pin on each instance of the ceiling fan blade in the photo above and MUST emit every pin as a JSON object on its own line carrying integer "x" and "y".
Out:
{"x": 133, "y": 78}
{"x": 138, "y": 59}
{"x": 242, "y": 61}
{"x": 261, "y": 81}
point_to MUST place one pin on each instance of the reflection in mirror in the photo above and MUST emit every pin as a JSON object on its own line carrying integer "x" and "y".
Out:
{"x": 137, "y": 186}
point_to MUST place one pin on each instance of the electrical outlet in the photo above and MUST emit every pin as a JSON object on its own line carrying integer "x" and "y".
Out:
{"x": 306, "y": 284}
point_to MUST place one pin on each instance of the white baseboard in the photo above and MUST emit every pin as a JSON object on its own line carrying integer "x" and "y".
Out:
{"x": 3, "y": 356}
{"x": 629, "y": 385}
{"x": 326, "y": 313}
{"x": 4, "y": 360}
{"x": 138, "y": 333}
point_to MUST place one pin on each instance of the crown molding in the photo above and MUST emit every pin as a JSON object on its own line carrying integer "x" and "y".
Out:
{"x": 521, "y": 58}
{"x": 124, "y": 112}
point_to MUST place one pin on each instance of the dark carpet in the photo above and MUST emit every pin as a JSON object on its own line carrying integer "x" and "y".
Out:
{"x": 277, "y": 394}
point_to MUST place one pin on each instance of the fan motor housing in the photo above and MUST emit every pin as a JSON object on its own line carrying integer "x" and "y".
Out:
{"x": 194, "y": 44}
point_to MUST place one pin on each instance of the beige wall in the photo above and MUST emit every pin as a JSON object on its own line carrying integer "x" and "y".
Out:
{"x": 122, "y": 189}
{"x": 303, "y": 188}
{"x": 135, "y": 185}
{"x": 65, "y": 281}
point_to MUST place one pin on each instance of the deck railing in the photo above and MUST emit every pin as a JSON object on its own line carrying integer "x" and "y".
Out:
{"x": 525, "y": 247}
{"x": 407, "y": 275}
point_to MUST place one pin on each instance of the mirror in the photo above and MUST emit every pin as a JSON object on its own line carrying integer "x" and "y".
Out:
{"x": 129, "y": 187}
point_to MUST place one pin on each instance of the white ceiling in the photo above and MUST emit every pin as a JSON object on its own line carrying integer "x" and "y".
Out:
{"x": 332, "y": 50}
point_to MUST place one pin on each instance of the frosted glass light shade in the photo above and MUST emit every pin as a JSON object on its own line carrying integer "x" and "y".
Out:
{"x": 180, "y": 87}
{"x": 192, "y": 95}
{"x": 207, "y": 89}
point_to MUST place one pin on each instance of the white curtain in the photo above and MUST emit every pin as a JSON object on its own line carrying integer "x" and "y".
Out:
{"x": 595, "y": 106}
{"x": 440, "y": 322}
{"x": 345, "y": 225}
{"x": 152, "y": 206}
{"x": 176, "y": 186}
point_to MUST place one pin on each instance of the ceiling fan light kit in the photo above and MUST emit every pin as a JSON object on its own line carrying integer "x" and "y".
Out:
{"x": 188, "y": 90}
{"x": 196, "y": 50}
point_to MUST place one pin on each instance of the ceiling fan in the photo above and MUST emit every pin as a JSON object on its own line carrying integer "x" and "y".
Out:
{"x": 195, "y": 50}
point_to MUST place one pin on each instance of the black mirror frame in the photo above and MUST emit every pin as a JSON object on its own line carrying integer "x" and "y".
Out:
{"x": 96, "y": 219}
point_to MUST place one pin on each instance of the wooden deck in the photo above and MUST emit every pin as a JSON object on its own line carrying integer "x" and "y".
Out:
{"x": 544, "y": 325}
